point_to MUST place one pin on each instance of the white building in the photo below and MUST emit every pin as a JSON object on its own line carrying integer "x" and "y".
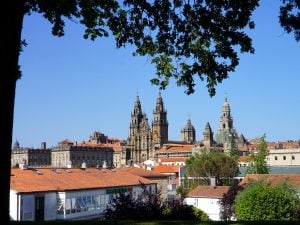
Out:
{"x": 207, "y": 199}
{"x": 284, "y": 157}
{"x": 52, "y": 194}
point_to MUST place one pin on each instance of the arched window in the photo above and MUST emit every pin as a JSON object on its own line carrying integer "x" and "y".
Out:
{"x": 275, "y": 157}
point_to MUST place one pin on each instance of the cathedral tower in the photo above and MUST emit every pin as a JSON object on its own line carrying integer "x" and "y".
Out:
{"x": 159, "y": 124}
{"x": 188, "y": 133}
{"x": 226, "y": 129}
{"x": 208, "y": 136}
{"x": 140, "y": 134}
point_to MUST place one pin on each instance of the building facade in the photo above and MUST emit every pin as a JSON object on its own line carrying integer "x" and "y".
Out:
{"x": 188, "y": 133}
{"x": 69, "y": 193}
{"x": 283, "y": 157}
{"x": 38, "y": 157}
{"x": 207, "y": 199}
{"x": 67, "y": 154}
{"x": 140, "y": 137}
{"x": 227, "y": 134}
{"x": 159, "y": 123}
{"x": 143, "y": 139}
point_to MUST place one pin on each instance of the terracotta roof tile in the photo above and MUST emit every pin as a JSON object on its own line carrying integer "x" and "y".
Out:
{"x": 173, "y": 159}
{"x": 71, "y": 179}
{"x": 143, "y": 172}
{"x": 175, "y": 148}
{"x": 208, "y": 191}
{"x": 166, "y": 169}
{"x": 292, "y": 179}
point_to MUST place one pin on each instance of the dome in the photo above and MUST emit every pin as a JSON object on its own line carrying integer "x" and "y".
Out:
{"x": 189, "y": 125}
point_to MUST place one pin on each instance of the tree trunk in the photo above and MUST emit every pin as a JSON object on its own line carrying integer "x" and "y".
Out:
{"x": 10, "y": 49}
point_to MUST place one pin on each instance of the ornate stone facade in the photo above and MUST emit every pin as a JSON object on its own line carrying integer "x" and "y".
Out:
{"x": 68, "y": 154}
{"x": 208, "y": 140}
{"x": 40, "y": 157}
{"x": 188, "y": 133}
{"x": 142, "y": 139}
{"x": 227, "y": 134}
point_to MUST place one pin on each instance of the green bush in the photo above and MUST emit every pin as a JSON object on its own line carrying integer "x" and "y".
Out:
{"x": 262, "y": 201}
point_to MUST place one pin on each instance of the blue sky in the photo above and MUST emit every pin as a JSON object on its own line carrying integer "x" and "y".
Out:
{"x": 71, "y": 87}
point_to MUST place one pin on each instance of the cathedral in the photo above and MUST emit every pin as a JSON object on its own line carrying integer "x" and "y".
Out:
{"x": 226, "y": 132}
{"x": 144, "y": 139}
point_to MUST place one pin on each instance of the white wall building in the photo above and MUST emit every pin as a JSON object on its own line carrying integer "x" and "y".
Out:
{"x": 284, "y": 157}
{"x": 206, "y": 198}
{"x": 52, "y": 194}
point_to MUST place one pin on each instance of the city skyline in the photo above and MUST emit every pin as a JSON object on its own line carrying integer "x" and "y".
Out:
{"x": 72, "y": 87}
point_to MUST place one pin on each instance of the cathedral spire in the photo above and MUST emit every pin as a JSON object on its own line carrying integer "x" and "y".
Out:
{"x": 160, "y": 123}
{"x": 226, "y": 129}
{"x": 207, "y": 136}
{"x": 159, "y": 103}
{"x": 137, "y": 106}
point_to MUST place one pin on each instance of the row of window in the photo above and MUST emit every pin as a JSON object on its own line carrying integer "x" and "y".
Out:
{"x": 89, "y": 203}
{"x": 284, "y": 157}
{"x": 83, "y": 204}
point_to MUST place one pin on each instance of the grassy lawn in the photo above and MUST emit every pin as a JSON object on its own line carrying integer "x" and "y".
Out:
{"x": 167, "y": 222}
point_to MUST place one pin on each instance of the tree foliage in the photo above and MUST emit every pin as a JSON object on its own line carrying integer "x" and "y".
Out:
{"x": 215, "y": 164}
{"x": 258, "y": 164}
{"x": 149, "y": 206}
{"x": 262, "y": 201}
{"x": 227, "y": 201}
{"x": 183, "y": 39}
{"x": 233, "y": 150}
{"x": 290, "y": 17}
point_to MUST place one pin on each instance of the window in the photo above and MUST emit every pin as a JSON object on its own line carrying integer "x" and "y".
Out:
{"x": 284, "y": 157}
{"x": 275, "y": 157}
{"x": 293, "y": 157}
{"x": 60, "y": 206}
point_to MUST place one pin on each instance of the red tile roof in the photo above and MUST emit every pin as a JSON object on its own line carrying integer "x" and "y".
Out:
{"x": 244, "y": 158}
{"x": 166, "y": 169}
{"x": 208, "y": 191}
{"x": 292, "y": 179}
{"x": 175, "y": 148}
{"x": 143, "y": 172}
{"x": 71, "y": 179}
{"x": 173, "y": 159}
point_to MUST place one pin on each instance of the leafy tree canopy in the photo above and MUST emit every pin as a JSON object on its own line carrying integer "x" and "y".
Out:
{"x": 258, "y": 162}
{"x": 212, "y": 164}
{"x": 290, "y": 17}
{"x": 184, "y": 39}
{"x": 233, "y": 150}
{"x": 227, "y": 201}
{"x": 149, "y": 206}
{"x": 262, "y": 201}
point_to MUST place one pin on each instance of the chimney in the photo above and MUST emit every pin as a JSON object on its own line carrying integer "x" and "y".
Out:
{"x": 43, "y": 145}
{"x": 104, "y": 165}
{"x": 83, "y": 166}
{"x": 212, "y": 181}
{"x": 69, "y": 165}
